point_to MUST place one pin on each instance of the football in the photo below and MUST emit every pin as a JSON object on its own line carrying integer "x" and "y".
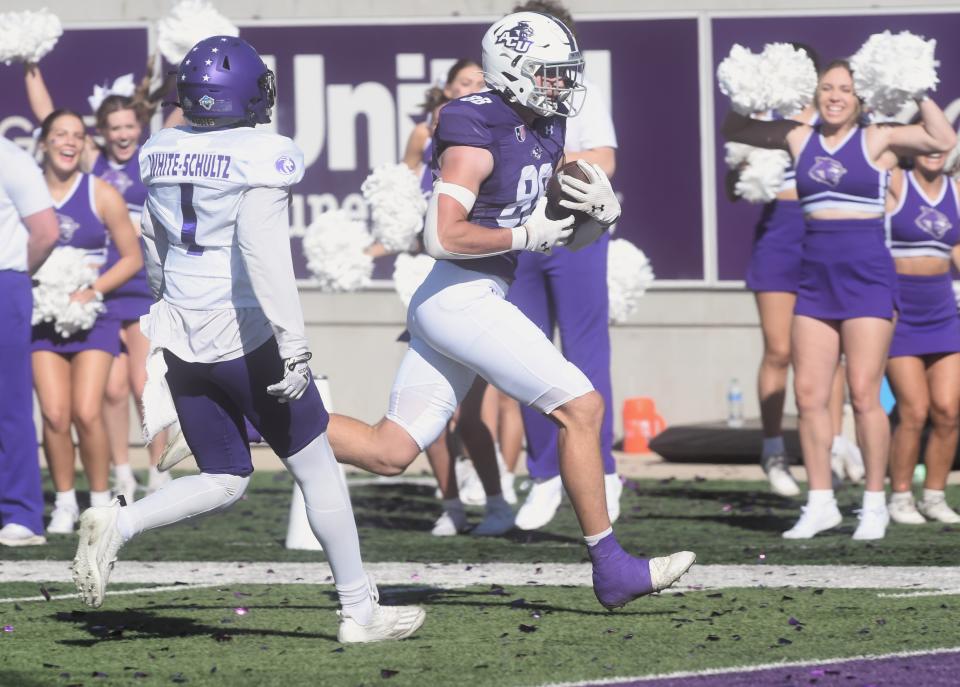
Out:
{"x": 586, "y": 230}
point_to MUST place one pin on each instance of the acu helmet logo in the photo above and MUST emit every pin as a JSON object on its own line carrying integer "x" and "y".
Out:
{"x": 206, "y": 102}
{"x": 520, "y": 37}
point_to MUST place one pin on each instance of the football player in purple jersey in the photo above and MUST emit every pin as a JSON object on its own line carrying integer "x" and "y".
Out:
{"x": 228, "y": 318}
{"x": 495, "y": 151}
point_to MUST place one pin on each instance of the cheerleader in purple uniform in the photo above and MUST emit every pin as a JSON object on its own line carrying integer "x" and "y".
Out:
{"x": 119, "y": 121}
{"x": 923, "y": 225}
{"x": 70, "y": 374}
{"x": 847, "y": 294}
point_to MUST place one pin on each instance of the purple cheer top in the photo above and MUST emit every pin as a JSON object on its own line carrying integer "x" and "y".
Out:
{"x": 922, "y": 226}
{"x": 841, "y": 178}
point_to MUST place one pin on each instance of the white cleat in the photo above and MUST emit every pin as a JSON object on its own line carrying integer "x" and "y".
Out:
{"x": 388, "y": 622}
{"x": 63, "y": 519}
{"x": 541, "y": 504}
{"x": 614, "y": 488}
{"x": 937, "y": 509}
{"x": 666, "y": 570}
{"x": 873, "y": 524}
{"x": 469, "y": 484}
{"x": 450, "y": 523}
{"x": 497, "y": 520}
{"x": 813, "y": 522}
{"x": 100, "y": 541}
{"x": 174, "y": 452}
{"x": 777, "y": 470}
{"x": 903, "y": 509}
{"x": 15, "y": 534}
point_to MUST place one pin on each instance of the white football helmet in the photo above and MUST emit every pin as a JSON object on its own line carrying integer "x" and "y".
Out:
{"x": 534, "y": 59}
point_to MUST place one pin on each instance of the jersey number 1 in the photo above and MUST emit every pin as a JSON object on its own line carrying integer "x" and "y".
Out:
{"x": 188, "y": 230}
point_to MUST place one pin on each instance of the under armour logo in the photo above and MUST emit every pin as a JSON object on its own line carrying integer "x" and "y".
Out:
{"x": 594, "y": 209}
{"x": 543, "y": 246}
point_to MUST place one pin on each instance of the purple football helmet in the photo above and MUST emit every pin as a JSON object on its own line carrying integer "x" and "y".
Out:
{"x": 222, "y": 78}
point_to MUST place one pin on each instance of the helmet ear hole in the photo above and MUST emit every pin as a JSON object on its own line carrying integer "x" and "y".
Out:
{"x": 226, "y": 62}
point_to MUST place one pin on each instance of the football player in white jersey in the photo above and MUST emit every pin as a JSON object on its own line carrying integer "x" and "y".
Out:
{"x": 229, "y": 322}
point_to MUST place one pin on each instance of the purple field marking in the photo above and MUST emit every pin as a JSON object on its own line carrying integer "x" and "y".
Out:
{"x": 936, "y": 668}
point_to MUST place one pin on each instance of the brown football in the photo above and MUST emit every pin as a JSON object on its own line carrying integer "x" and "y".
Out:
{"x": 555, "y": 195}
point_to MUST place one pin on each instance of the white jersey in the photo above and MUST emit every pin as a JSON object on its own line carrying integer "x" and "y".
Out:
{"x": 593, "y": 125}
{"x": 217, "y": 235}
{"x": 23, "y": 192}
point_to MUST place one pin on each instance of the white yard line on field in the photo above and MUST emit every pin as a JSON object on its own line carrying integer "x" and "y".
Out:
{"x": 452, "y": 575}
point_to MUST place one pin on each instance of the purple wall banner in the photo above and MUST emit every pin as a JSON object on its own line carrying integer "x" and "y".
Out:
{"x": 81, "y": 59}
{"x": 349, "y": 115}
{"x": 832, "y": 37}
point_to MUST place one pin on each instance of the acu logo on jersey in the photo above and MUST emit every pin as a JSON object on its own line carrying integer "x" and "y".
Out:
{"x": 68, "y": 227}
{"x": 933, "y": 222}
{"x": 519, "y": 37}
{"x": 827, "y": 171}
{"x": 285, "y": 165}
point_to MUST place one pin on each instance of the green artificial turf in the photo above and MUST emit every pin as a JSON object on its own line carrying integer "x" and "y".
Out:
{"x": 722, "y": 521}
{"x": 476, "y": 636}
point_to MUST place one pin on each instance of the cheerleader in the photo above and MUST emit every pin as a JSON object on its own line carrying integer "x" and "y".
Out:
{"x": 923, "y": 224}
{"x": 70, "y": 374}
{"x": 847, "y": 293}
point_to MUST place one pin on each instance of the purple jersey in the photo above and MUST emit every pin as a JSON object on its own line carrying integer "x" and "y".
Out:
{"x": 924, "y": 226}
{"x": 524, "y": 157}
{"x": 80, "y": 225}
{"x": 125, "y": 178}
{"x": 842, "y": 178}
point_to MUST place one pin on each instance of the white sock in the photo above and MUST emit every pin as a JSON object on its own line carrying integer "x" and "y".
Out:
{"x": 820, "y": 497}
{"x": 99, "y": 499}
{"x": 594, "y": 539}
{"x": 331, "y": 518}
{"x": 873, "y": 500}
{"x": 901, "y": 497}
{"x": 66, "y": 499}
{"x": 123, "y": 471}
{"x": 355, "y": 600}
{"x": 839, "y": 444}
{"x": 933, "y": 495}
{"x": 453, "y": 505}
{"x": 183, "y": 498}
{"x": 773, "y": 446}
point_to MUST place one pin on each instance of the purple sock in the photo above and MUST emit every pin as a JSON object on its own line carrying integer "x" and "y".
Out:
{"x": 618, "y": 577}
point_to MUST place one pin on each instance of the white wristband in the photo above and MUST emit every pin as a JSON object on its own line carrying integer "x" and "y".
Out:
{"x": 519, "y": 238}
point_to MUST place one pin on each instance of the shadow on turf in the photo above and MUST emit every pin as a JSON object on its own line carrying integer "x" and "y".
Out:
{"x": 104, "y": 626}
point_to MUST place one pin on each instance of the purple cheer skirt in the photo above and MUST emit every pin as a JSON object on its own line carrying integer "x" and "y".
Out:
{"x": 928, "y": 321}
{"x": 847, "y": 271}
{"x": 777, "y": 248}
{"x": 103, "y": 336}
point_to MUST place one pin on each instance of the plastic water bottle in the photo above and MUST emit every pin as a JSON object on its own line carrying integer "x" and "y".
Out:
{"x": 734, "y": 404}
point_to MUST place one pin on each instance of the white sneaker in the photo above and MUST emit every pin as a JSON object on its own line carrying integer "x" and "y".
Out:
{"x": 873, "y": 524}
{"x": 469, "y": 484}
{"x": 777, "y": 469}
{"x": 614, "y": 489}
{"x": 507, "y": 480}
{"x": 125, "y": 486}
{"x": 812, "y": 522}
{"x": 157, "y": 480}
{"x": 389, "y": 622}
{"x": 903, "y": 510}
{"x": 100, "y": 541}
{"x": 450, "y": 523}
{"x": 497, "y": 520}
{"x": 15, "y": 534}
{"x": 935, "y": 509}
{"x": 541, "y": 504}
{"x": 853, "y": 463}
{"x": 174, "y": 452}
{"x": 666, "y": 570}
{"x": 63, "y": 519}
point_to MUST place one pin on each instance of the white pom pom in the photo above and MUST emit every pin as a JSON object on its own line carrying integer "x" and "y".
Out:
{"x": 28, "y": 36}
{"x": 889, "y": 70}
{"x": 158, "y": 409}
{"x": 739, "y": 77}
{"x": 790, "y": 78}
{"x": 409, "y": 271}
{"x": 188, "y": 23}
{"x": 735, "y": 154}
{"x": 66, "y": 270}
{"x": 397, "y": 206}
{"x": 762, "y": 176}
{"x": 628, "y": 275}
{"x": 333, "y": 245}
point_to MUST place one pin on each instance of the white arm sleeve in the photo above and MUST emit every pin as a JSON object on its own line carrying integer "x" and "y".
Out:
{"x": 263, "y": 236}
{"x": 431, "y": 231}
{"x": 154, "y": 252}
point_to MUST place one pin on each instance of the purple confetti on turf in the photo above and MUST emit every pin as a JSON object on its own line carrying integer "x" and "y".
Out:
{"x": 240, "y": 610}
{"x": 8, "y": 628}
{"x": 727, "y": 508}
{"x": 793, "y": 621}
